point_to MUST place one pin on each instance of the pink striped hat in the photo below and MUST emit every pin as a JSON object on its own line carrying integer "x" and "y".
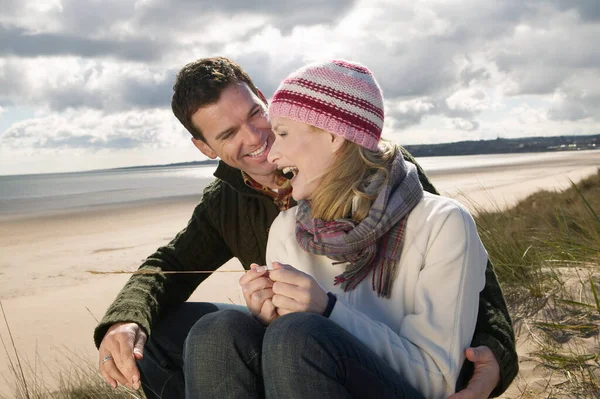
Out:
{"x": 338, "y": 96}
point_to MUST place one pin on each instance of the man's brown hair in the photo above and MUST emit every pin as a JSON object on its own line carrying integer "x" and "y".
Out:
{"x": 200, "y": 83}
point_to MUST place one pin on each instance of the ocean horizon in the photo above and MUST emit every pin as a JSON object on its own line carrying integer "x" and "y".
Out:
{"x": 43, "y": 194}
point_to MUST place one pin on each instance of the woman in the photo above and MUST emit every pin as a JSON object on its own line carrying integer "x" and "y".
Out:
{"x": 406, "y": 266}
{"x": 395, "y": 271}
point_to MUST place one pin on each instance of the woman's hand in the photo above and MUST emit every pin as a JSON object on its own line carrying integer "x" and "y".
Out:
{"x": 295, "y": 291}
{"x": 258, "y": 293}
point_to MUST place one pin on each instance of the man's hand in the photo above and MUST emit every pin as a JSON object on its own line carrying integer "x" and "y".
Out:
{"x": 119, "y": 349}
{"x": 296, "y": 291}
{"x": 485, "y": 376}
{"x": 258, "y": 293}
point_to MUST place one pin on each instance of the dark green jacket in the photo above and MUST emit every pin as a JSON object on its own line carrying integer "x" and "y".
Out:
{"x": 233, "y": 220}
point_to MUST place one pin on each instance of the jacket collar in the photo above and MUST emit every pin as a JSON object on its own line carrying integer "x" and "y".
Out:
{"x": 234, "y": 178}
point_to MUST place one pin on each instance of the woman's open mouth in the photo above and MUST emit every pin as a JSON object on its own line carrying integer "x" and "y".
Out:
{"x": 289, "y": 172}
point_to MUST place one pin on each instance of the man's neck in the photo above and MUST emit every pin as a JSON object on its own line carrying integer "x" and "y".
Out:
{"x": 269, "y": 181}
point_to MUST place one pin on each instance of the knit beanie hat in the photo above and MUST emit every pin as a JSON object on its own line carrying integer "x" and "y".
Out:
{"x": 338, "y": 96}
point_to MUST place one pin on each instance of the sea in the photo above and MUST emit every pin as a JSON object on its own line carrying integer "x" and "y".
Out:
{"x": 42, "y": 194}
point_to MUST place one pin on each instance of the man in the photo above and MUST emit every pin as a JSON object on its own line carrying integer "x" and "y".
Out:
{"x": 225, "y": 113}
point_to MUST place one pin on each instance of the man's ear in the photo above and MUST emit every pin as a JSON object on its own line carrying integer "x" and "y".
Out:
{"x": 337, "y": 142}
{"x": 262, "y": 97}
{"x": 204, "y": 148}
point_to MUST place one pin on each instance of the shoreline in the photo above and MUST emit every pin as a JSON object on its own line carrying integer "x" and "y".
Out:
{"x": 98, "y": 209}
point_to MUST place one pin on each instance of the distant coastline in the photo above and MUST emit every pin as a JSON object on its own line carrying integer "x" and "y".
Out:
{"x": 170, "y": 165}
{"x": 507, "y": 146}
{"x": 478, "y": 147}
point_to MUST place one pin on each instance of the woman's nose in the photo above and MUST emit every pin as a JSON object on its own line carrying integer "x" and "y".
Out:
{"x": 274, "y": 156}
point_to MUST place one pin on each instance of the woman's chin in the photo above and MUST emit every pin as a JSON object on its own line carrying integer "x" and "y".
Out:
{"x": 298, "y": 194}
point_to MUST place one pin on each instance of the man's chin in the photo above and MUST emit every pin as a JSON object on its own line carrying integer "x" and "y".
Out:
{"x": 264, "y": 171}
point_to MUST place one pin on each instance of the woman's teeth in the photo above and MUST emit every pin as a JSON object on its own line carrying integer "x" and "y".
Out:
{"x": 289, "y": 172}
{"x": 259, "y": 151}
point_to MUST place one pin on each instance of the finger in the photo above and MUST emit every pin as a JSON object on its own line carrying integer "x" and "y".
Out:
{"x": 138, "y": 353}
{"x": 258, "y": 300}
{"x": 109, "y": 380}
{"x": 268, "y": 311}
{"x": 480, "y": 354}
{"x": 287, "y": 274}
{"x": 278, "y": 266}
{"x": 253, "y": 274}
{"x": 112, "y": 371}
{"x": 125, "y": 361}
{"x": 283, "y": 312}
{"x": 140, "y": 342}
{"x": 295, "y": 292}
{"x": 253, "y": 286}
{"x": 289, "y": 304}
{"x": 256, "y": 285}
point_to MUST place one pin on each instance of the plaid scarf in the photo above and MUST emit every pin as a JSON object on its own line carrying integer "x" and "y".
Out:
{"x": 375, "y": 243}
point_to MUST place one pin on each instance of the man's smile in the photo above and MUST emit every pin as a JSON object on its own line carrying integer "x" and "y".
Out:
{"x": 260, "y": 151}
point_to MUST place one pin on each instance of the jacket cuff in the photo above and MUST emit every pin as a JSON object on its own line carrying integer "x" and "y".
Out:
{"x": 332, "y": 299}
{"x": 114, "y": 316}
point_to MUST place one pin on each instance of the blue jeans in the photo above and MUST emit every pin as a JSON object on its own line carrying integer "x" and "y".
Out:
{"x": 228, "y": 354}
{"x": 161, "y": 368}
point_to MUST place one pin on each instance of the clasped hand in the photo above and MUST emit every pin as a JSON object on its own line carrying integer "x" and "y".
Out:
{"x": 273, "y": 293}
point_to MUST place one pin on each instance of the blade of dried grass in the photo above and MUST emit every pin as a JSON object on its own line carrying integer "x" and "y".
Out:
{"x": 16, "y": 353}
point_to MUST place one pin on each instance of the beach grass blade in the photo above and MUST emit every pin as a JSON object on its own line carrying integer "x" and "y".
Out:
{"x": 595, "y": 293}
{"x": 15, "y": 349}
{"x": 587, "y": 204}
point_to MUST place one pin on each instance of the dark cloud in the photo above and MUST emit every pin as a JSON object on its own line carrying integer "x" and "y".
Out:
{"x": 149, "y": 94}
{"x": 576, "y": 106}
{"x": 282, "y": 14}
{"x": 18, "y": 42}
{"x": 588, "y": 10}
{"x": 11, "y": 84}
{"x": 95, "y": 18}
{"x": 95, "y": 87}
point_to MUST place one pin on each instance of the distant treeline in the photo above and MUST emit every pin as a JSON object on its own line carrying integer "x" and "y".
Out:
{"x": 507, "y": 146}
{"x": 498, "y": 146}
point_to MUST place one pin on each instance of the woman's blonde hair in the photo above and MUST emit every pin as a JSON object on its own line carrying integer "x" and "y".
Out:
{"x": 341, "y": 193}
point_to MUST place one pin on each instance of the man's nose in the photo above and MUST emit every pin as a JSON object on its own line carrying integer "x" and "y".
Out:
{"x": 252, "y": 135}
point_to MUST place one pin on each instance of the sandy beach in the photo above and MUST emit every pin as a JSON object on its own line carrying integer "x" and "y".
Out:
{"x": 51, "y": 301}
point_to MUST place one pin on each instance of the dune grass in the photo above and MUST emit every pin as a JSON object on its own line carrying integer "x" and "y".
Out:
{"x": 546, "y": 253}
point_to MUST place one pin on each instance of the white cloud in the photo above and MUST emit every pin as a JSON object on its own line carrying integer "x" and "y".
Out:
{"x": 95, "y": 130}
{"x": 471, "y": 100}
{"x": 464, "y": 124}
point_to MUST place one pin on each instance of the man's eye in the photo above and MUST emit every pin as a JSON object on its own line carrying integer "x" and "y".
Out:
{"x": 282, "y": 134}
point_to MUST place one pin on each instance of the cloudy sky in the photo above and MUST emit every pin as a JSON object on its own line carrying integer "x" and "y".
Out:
{"x": 86, "y": 84}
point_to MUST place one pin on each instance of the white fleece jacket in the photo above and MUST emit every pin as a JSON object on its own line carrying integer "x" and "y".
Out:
{"x": 424, "y": 328}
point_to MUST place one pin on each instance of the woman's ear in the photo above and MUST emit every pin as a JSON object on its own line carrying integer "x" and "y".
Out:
{"x": 337, "y": 142}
